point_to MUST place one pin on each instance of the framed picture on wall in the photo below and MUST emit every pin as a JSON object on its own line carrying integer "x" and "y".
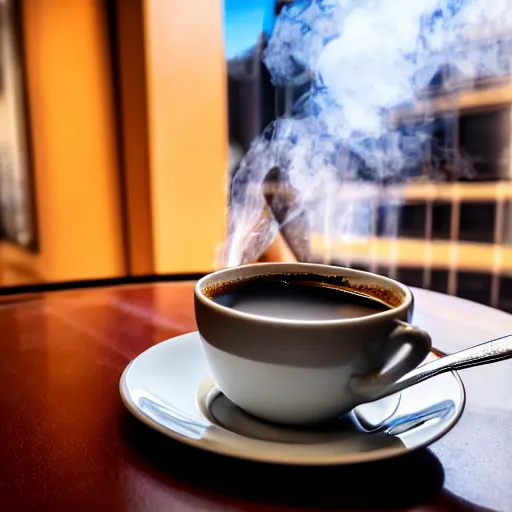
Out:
{"x": 17, "y": 205}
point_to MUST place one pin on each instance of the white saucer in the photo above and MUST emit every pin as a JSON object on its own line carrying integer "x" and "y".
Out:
{"x": 168, "y": 387}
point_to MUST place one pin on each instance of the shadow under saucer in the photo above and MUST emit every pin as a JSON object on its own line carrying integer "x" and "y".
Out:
{"x": 410, "y": 480}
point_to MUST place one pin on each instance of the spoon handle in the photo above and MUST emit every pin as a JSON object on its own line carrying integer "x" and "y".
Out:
{"x": 488, "y": 352}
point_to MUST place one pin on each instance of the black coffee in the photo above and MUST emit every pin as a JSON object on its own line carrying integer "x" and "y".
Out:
{"x": 298, "y": 297}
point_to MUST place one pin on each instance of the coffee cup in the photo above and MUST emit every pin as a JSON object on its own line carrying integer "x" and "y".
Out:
{"x": 301, "y": 343}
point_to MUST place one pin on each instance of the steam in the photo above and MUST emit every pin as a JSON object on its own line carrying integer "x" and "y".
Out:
{"x": 340, "y": 146}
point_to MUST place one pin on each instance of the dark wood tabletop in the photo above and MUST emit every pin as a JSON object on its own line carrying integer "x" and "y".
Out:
{"x": 67, "y": 443}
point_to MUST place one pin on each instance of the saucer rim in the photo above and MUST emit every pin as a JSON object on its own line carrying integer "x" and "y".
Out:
{"x": 218, "y": 448}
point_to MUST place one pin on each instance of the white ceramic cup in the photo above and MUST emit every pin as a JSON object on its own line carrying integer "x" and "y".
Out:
{"x": 303, "y": 372}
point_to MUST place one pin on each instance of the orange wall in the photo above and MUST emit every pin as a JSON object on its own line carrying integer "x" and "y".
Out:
{"x": 175, "y": 153}
{"x": 73, "y": 132}
{"x": 186, "y": 85}
{"x": 131, "y": 67}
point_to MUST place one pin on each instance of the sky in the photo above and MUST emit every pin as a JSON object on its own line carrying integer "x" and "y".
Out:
{"x": 244, "y": 21}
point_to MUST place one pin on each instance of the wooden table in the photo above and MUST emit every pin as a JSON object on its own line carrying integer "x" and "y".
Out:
{"x": 67, "y": 443}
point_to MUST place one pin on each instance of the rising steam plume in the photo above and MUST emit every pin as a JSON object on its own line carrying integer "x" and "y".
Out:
{"x": 339, "y": 146}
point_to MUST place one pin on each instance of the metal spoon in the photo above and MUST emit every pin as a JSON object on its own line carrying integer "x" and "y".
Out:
{"x": 489, "y": 352}
{"x": 485, "y": 353}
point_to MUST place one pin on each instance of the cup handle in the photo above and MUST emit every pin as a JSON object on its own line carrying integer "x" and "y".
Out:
{"x": 406, "y": 348}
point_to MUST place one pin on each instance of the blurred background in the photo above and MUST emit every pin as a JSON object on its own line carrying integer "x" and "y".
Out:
{"x": 113, "y": 139}
{"x": 123, "y": 123}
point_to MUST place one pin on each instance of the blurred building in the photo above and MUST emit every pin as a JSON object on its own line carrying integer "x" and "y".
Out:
{"x": 452, "y": 234}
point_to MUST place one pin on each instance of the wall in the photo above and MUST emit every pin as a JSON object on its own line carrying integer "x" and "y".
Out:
{"x": 186, "y": 87}
{"x": 169, "y": 84}
{"x": 74, "y": 144}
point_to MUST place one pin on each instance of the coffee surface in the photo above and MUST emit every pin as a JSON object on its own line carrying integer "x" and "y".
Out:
{"x": 296, "y": 297}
